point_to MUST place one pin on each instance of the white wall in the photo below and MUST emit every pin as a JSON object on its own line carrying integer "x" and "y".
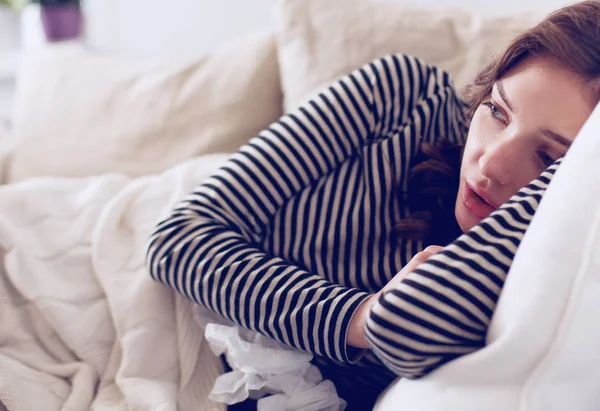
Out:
{"x": 173, "y": 27}
{"x": 490, "y": 7}
{"x": 184, "y": 27}
{"x": 9, "y": 29}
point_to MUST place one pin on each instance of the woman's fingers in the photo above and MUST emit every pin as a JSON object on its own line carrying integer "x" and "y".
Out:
{"x": 423, "y": 256}
{"x": 416, "y": 260}
{"x": 410, "y": 267}
{"x": 432, "y": 249}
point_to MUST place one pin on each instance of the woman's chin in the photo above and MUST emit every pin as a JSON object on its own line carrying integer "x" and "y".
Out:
{"x": 465, "y": 219}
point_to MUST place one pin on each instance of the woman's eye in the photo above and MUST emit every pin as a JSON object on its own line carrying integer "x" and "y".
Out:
{"x": 546, "y": 159}
{"x": 497, "y": 114}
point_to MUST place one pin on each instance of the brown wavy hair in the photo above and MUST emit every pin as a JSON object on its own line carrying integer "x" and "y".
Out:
{"x": 571, "y": 36}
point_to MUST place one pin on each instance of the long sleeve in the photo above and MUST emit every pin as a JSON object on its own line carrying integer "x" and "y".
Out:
{"x": 209, "y": 247}
{"x": 442, "y": 310}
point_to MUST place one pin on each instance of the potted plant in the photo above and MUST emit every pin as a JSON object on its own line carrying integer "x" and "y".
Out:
{"x": 62, "y": 19}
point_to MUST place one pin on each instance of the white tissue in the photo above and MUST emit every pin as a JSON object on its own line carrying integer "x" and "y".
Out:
{"x": 262, "y": 366}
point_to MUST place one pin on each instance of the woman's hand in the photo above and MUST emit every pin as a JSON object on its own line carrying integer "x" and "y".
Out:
{"x": 410, "y": 267}
{"x": 356, "y": 331}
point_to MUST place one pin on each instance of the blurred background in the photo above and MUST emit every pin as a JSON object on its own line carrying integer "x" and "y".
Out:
{"x": 158, "y": 27}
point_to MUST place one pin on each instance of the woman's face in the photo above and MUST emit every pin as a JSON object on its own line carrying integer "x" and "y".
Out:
{"x": 531, "y": 117}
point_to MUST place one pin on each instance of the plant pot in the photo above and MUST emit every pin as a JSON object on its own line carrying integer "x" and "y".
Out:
{"x": 62, "y": 22}
{"x": 9, "y": 29}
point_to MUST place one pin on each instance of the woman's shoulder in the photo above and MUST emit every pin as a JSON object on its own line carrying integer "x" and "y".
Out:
{"x": 409, "y": 82}
{"x": 412, "y": 69}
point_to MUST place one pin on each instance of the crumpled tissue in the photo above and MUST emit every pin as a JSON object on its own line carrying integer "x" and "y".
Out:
{"x": 281, "y": 378}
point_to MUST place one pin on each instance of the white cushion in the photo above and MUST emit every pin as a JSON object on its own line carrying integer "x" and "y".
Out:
{"x": 543, "y": 344}
{"x": 81, "y": 113}
{"x": 320, "y": 41}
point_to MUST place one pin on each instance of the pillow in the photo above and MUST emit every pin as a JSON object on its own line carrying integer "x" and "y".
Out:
{"x": 542, "y": 346}
{"x": 80, "y": 113}
{"x": 319, "y": 41}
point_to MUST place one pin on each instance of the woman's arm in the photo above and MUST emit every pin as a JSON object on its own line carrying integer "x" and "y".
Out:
{"x": 356, "y": 332}
{"x": 209, "y": 247}
{"x": 442, "y": 309}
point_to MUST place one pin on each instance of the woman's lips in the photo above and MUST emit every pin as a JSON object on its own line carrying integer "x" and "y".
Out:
{"x": 476, "y": 204}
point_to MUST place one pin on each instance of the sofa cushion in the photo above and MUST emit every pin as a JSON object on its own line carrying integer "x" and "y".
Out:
{"x": 80, "y": 112}
{"x": 319, "y": 41}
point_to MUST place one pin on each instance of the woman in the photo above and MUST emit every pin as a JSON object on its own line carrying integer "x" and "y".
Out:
{"x": 296, "y": 234}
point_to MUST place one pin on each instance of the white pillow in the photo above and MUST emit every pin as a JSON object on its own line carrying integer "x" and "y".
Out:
{"x": 319, "y": 41}
{"x": 543, "y": 351}
{"x": 81, "y": 113}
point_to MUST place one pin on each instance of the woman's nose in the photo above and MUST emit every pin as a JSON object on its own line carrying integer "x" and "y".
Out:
{"x": 501, "y": 161}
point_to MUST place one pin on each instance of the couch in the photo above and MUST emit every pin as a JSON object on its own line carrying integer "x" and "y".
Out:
{"x": 89, "y": 113}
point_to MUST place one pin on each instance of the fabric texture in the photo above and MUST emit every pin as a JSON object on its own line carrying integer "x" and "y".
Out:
{"x": 320, "y": 41}
{"x": 88, "y": 113}
{"x": 289, "y": 237}
{"x": 83, "y": 327}
{"x": 541, "y": 350}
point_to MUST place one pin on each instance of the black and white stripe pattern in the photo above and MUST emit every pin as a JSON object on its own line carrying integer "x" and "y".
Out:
{"x": 443, "y": 309}
{"x": 294, "y": 232}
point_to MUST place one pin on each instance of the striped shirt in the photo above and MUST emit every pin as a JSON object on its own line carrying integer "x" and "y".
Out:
{"x": 295, "y": 231}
